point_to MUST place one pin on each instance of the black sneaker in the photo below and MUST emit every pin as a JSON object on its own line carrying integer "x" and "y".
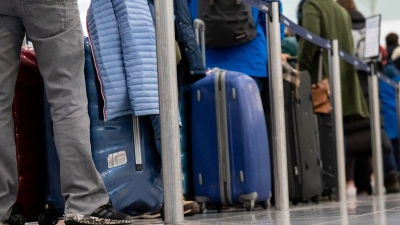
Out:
{"x": 15, "y": 220}
{"x": 103, "y": 215}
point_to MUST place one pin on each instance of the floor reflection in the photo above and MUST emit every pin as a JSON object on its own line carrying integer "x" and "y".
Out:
{"x": 363, "y": 210}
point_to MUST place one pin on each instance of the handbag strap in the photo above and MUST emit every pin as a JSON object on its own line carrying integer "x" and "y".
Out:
{"x": 320, "y": 64}
{"x": 292, "y": 76}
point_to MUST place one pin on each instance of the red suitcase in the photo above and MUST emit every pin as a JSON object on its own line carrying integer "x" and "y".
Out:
{"x": 29, "y": 137}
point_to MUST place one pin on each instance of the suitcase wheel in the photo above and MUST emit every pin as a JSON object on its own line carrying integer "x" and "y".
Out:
{"x": 315, "y": 199}
{"x": 162, "y": 212}
{"x": 219, "y": 208}
{"x": 47, "y": 219}
{"x": 249, "y": 205}
{"x": 51, "y": 215}
{"x": 264, "y": 204}
{"x": 272, "y": 200}
{"x": 20, "y": 219}
{"x": 202, "y": 207}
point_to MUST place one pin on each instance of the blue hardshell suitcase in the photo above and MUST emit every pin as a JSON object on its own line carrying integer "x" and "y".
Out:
{"x": 231, "y": 163}
{"x": 124, "y": 153}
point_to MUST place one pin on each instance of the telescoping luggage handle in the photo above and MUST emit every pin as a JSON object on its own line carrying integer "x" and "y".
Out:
{"x": 200, "y": 30}
{"x": 137, "y": 143}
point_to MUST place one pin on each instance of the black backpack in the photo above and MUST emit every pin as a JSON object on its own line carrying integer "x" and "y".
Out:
{"x": 227, "y": 22}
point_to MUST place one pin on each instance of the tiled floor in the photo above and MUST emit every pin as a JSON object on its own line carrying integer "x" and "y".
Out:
{"x": 364, "y": 210}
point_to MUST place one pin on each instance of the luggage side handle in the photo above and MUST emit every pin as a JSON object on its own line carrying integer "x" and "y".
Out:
{"x": 137, "y": 144}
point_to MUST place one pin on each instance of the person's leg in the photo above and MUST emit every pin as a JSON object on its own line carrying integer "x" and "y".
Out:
{"x": 362, "y": 172}
{"x": 11, "y": 36}
{"x": 389, "y": 162}
{"x": 189, "y": 207}
{"x": 260, "y": 82}
{"x": 396, "y": 151}
{"x": 56, "y": 33}
{"x": 391, "y": 173}
{"x": 351, "y": 189}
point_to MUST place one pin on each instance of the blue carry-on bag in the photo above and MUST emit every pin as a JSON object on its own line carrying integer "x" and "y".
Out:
{"x": 231, "y": 163}
{"x": 124, "y": 153}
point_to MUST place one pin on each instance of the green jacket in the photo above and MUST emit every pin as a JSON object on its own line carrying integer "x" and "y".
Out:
{"x": 329, "y": 20}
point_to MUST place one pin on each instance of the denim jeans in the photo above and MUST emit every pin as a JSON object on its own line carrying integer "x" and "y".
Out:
{"x": 396, "y": 151}
{"x": 55, "y": 29}
{"x": 389, "y": 163}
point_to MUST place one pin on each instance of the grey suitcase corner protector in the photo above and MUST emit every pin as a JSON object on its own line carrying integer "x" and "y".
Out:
{"x": 201, "y": 199}
{"x": 248, "y": 197}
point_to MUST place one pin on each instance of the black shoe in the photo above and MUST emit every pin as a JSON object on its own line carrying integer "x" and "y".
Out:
{"x": 103, "y": 215}
{"x": 392, "y": 183}
{"x": 15, "y": 220}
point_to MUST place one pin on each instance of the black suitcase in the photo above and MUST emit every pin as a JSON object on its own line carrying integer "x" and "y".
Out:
{"x": 327, "y": 144}
{"x": 304, "y": 162}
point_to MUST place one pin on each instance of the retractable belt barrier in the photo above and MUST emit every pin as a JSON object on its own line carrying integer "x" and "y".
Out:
{"x": 360, "y": 65}
{"x": 387, "y": 80}
{"x": 311, "y": 37}
{"x": 317, "y": 40}
{"x": 332, "y": 46}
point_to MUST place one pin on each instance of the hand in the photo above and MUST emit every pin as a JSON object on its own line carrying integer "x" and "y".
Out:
{"x": 284, "y": 57}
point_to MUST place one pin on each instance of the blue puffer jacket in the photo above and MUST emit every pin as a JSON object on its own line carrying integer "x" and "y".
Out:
{"x": 109, "y": 60}
{"x": 387, "y": 95}
{"x": 122, "y": 35}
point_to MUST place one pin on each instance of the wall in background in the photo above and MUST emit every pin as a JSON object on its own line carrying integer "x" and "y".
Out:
{"x": 83, "y": 7}
{"x": 389, "y": 9}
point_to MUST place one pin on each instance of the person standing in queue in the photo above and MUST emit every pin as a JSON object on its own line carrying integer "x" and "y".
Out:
{"x": 55, "y": 29}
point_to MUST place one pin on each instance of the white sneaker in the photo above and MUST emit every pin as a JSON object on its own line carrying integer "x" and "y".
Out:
{"x": 351, "y": 192}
